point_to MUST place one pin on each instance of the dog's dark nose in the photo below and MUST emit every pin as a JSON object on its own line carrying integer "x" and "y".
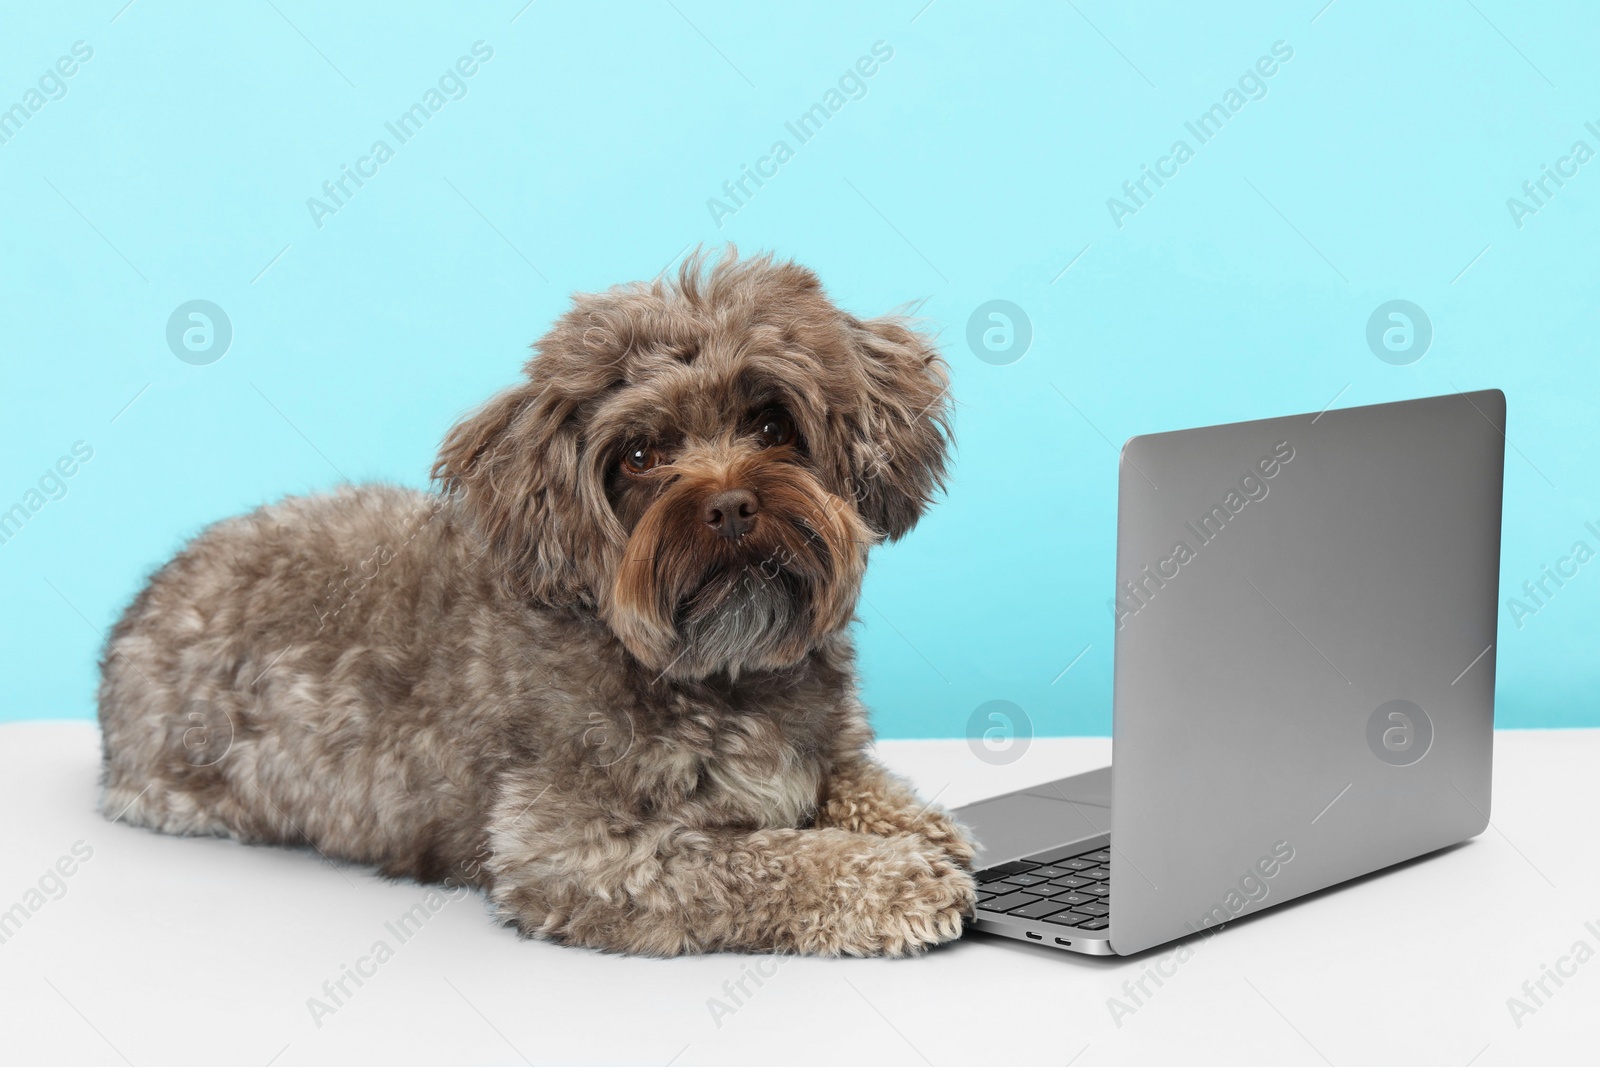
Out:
{"x": 731, "y": 513}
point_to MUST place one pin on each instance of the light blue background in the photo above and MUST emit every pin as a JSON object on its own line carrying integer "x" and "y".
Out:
{"x": 977, "y": 166}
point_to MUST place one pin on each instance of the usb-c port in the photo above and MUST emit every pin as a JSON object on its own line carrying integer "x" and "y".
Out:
{"x": 1063, "y": 941}
{"x": 1033, "y": 935}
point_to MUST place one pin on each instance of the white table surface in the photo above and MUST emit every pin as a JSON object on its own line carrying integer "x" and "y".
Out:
{"x": 161, "y": 950}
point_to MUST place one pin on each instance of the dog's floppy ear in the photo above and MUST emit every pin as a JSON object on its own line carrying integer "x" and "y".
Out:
{"x": 514, "y": 465}
{"x": 898, "y": 459}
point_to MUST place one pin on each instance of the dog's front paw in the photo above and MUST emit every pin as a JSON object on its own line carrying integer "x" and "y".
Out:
{"x": 946, "y": 835}
{"x": 908, "y": 896}
{"x": 933, "y": 825}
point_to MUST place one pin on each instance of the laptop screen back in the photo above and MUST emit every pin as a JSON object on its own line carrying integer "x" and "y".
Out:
{"x": 1304, "y": 680}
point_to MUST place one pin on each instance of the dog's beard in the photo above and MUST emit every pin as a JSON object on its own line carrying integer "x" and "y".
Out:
{"x": 689, "y": 604}
{"x": 746, "y": 617}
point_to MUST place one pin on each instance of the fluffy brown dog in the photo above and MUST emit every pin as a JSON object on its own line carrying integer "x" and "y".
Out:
{"x": 605, "y": 674}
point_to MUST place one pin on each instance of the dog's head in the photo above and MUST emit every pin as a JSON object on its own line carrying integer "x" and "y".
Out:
{"x": 705, "y": 462}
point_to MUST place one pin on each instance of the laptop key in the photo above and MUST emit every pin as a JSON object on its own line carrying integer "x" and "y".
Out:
{"x": 1101, "y": 856}
{"x": 1068, "y": 918}
{"x": 1072, "y": 881}
{"x": 1076, "y": 864}
{"x": 1009, "y": 900}
{"x": 1067, "y": 896}
{"x": 1024, "y": 879}
{"x": 1054, "y": 854}
{"x": 1092, "y": 909}
{"x": 1005, "y": 869}
{"x": 1007, "y": 889}
{"x": 1039, "y": 909}
{"x": 1050, "y": 872}
{"x": 1095, "y": 924}
{"x": 1099, "y": 889}
{"x": 1095, "y": 872}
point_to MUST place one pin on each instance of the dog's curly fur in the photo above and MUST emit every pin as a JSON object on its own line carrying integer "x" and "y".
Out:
{"x": 554, "y": 679}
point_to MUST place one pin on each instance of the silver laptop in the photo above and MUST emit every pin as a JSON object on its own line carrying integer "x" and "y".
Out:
{"x": 1305, "y": 614}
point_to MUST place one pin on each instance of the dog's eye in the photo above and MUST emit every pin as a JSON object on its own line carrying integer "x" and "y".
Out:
{"x": 641, "y": 458}
{"x": 774, "y": 427}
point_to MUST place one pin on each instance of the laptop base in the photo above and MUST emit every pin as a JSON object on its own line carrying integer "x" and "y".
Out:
{"x": 1059, "y": 898}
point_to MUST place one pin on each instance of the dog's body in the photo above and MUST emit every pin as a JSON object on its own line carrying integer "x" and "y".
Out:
{"x": 616, "y": 693}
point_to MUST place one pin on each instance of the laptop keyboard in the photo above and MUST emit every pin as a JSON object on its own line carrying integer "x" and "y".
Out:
{"x": 1065, "y": 887}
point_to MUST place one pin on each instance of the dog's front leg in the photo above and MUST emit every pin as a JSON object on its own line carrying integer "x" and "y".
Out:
{"x": 861, "y": 795}
{"x": 666, "y": 890}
